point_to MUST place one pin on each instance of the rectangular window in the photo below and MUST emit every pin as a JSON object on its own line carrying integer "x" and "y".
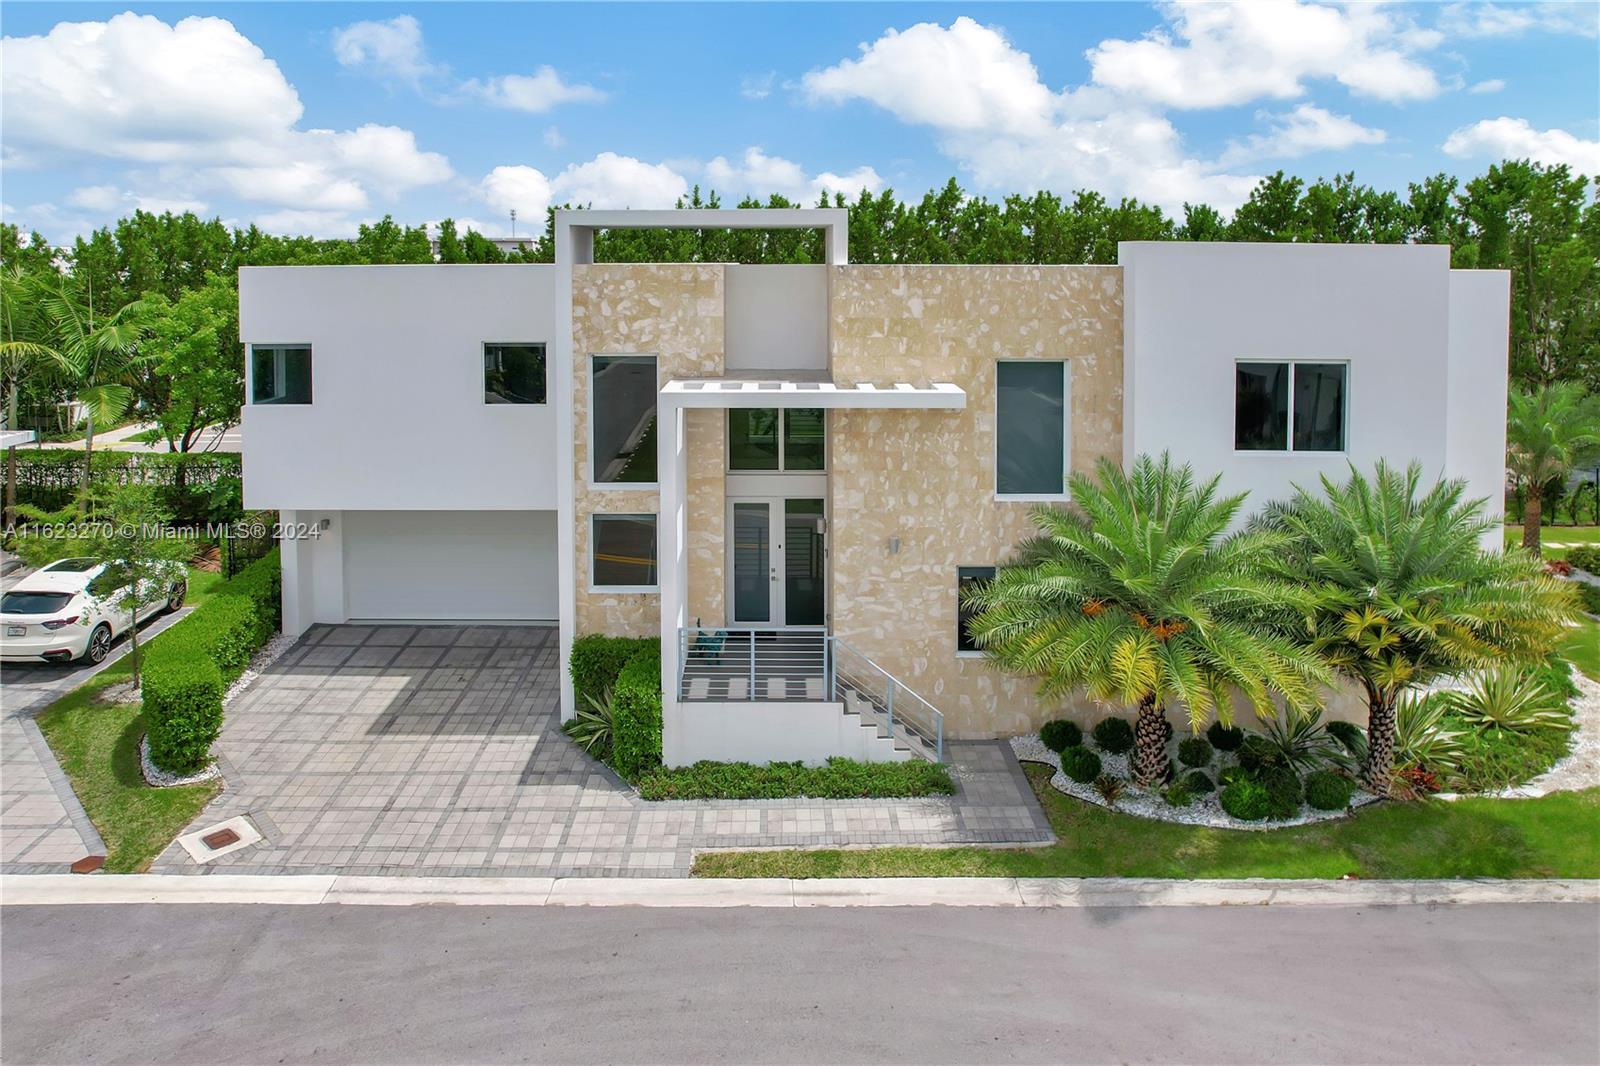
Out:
{"x": 513, "y": 373}
{"x": 1031, "y": 428}
{"x": 623, "y": 551}
{"x": 1289, "y": 406}
{"x": 966, "y": 578}
{"x": 280, "y": 373}
{"x": 622, "y": 418}
{"x": 755, "y": 443}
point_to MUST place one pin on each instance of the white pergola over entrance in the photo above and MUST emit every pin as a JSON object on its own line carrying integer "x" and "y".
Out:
{"x": 680, "y": 395}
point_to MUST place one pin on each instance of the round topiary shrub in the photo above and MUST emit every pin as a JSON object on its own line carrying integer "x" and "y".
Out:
{"x": 1177, "y": 795}
{"x": 1080, "y": 764}
{"x": 1246, "y": 800}
{"x": 1284, "y": 794}
{"x": 1230, "y": 774}
{"x": 1194, "y": 752}
{"x": 1198, "y": 783}
{"x": 1225, "y": 737}
{"x": 1328, "y": 791}
{"x": 1060, "y": 735}
{"x": 1114, "y": 735}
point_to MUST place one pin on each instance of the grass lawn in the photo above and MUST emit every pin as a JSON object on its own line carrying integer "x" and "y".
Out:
{"x": 1556, "y": 836}
{"x": 1556, "y": 535}
{"x": 1583, "y": 648}
{"x": 97, "y": 745}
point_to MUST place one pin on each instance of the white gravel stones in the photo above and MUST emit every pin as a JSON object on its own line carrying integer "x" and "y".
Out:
{"x": 1205, "y": 810}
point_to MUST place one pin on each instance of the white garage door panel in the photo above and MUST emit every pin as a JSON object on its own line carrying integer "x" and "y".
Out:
{"x": 450, "y": 564}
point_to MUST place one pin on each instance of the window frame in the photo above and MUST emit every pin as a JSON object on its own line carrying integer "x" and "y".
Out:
{"x": 969, "y": 653}
{"x": 595, "y": 518}
{"x": 544, "y": 358}
{"x": 1289, "y": 449}
{"x": 783, "y": 446}
{"x": 589, "y": 468}
{"x": 1065, "y": 495}
{"x": 278, "y": 346}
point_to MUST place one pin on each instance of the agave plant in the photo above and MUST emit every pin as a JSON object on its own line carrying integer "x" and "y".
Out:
{"x": 1299, "y": 741}
{"x": 590, "y": 725}
{"x": 1512, "y": 699}
{"x": 1423, "y": 736}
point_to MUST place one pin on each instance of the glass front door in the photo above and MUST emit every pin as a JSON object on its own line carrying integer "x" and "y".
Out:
{"x": 777, "y": 562}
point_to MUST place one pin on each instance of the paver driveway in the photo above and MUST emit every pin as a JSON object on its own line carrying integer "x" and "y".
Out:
{"x": 437, "y": 750}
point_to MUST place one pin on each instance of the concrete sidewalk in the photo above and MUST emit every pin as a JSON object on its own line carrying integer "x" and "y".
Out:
{"x": 313, "y": 889}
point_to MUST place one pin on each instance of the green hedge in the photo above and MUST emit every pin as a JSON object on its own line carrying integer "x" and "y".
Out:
{"x": 636, "y": 714}
{"x": 194, "y": 486}
{"x": 838, "y": 779}
{"x": 1585, "y": 557}
{"x": 597, "y": 661}
{"x": 188, "y": 668}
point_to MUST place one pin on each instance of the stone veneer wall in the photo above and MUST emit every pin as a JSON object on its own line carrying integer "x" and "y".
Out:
{"x": 674, "y": 312}
{"x": 928, "y": 477}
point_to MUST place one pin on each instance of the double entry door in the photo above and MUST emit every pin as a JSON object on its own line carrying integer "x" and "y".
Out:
{"x": 777, "y": 562}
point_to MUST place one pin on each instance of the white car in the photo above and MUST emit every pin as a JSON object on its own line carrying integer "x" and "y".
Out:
{"x": 68, "y": 611}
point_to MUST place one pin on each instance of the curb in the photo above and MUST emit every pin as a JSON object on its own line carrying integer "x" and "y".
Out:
{"x": 312, "y": 889}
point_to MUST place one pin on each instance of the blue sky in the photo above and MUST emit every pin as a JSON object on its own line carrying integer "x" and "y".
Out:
{"x": 315, "y": 117}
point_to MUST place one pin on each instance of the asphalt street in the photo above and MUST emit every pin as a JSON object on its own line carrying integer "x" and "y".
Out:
{"x": 1515, "y": 983}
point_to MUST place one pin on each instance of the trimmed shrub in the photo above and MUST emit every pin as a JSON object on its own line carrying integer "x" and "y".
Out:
{"x": 1328, "y": 791}
{"x": 1284, "y": 794}
{"x": 1225, "y": 737}
{"x": 182, "y": 712}
{"x": 1585, "y": 557}
{"x": 1590, "y": 597}
{"x": 1198, "y": 782}
{"x": 597, "y": 661}
{"x": 1060, "y": 735}
{"x": 1258, "y": 753}
{"x": 1114, "y": 735}
{"x": 838, "y": 779}
{"x": 1195, "y": 752}
{"x": 1080, "y": 764}
{"x": 1245, "y": 799}
{"x": 636, "y": 715}
{"x": 1230, "y": 774}
{"x": 1178, "y": 795}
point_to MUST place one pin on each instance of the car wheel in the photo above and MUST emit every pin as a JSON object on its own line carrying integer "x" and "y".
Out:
{"x": 99, "y": 645}
{"x": 179, "y": 591}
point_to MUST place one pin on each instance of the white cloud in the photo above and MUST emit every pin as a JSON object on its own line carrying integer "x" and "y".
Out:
{"x": 201, "y": 103}
{"x": 553, "y": 137}
{"x": 96, "y": 197}
{"x": 1489, "y": 85}
{"x": 1220, "y": 55}
{"x": 535, "y": 93}
{"x": 1514, "y": 138}
{"x": 314, "y": 223}
{"x": 1505, "y": 20}
{"x": 106, "y": 199}
{"x": 757, "y": 86}
{"x": 990, "y": 111}
{"x": 1300, "y": 132}
{"x": 759, "y": 174}
{"x": 607, "y": 180}
{"x": 391, "y": 49}
{"x": 517, "y": 188}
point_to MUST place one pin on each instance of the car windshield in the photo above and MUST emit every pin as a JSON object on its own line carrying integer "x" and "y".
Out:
{"x": 34, "y": 602}
{"x": 72, "y": 566}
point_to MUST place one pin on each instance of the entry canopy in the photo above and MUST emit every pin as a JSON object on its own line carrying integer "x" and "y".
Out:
{"x": 741, "y": 392}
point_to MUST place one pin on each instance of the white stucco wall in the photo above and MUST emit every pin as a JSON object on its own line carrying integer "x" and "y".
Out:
{"x": 1192, "y": 310}
{"x": 776, "y": 317}
{"x": 811, "y": 733}
{"x": 1480, "y": 327}
{"x": 398, "y": 418}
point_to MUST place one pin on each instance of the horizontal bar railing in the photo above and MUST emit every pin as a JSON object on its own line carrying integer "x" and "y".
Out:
{"x": 904, "y": 713}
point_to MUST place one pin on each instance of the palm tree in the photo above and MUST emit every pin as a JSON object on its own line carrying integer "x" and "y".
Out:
{"x": 1141, "y": 598}
{"x": 1405, "y": 593}
{"x": 1545, "y": 431}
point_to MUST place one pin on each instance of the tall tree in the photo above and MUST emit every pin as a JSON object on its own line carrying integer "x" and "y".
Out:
{"x": 1404, "y": 593}
{"x": 194, "y": 350}
{"x": 1141, "y": 597}
{"x": 1547, "y": 430}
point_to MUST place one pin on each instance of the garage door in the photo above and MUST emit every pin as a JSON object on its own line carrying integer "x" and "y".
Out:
{"x": 450, "y": 565}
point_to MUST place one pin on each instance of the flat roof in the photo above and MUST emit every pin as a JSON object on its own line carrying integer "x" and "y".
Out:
{"x": 708, "y": 218}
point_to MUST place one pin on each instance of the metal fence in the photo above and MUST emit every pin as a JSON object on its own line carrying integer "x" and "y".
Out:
{"x": 247, "y": 540}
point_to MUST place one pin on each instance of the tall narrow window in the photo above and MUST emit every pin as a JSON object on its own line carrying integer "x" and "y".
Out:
{"x": 1031, "y": 432}
{"x": 513, "y": 373}
{"x": 968, "y": 577}
{"x": 622, "y": 418}
{"x": 280, "y": 373}
{"x": 756, "y": 442}
{"x": 623, "y": 551}
{"x": 1290, "y": 406}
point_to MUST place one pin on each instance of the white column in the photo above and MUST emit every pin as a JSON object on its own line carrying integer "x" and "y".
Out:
{"x": 294, "y": 574}
{"x": 672, "y": 555}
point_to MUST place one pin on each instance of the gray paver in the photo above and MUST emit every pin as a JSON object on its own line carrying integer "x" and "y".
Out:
{"x": 438, "y": 750}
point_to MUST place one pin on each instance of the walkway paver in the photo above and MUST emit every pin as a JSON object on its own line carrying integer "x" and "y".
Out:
{"x": 42, "y": 827}
{"x": 437, "y": 750}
